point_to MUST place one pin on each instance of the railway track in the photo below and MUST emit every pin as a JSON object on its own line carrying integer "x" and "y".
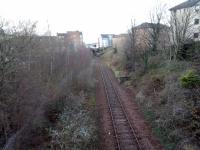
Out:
{"x": 124, "y": 133}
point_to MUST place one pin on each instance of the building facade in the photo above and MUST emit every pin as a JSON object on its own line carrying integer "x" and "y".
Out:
{"x": 187, "y": 15}
{"x": 120, "y": 41}
{"x": 72, "y": 39}
{"x": 144, "y": 36}
{"x": 106, "y": 40}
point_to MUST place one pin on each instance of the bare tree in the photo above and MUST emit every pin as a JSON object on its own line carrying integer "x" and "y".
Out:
{"x": 157, "y": 16}
{"x": 181, "y": 26}
{"x": 138, "y": 50}
{"x": 7, "y": 71}
{"x": 35, "y": 70}
{"x": 131, "y": 49}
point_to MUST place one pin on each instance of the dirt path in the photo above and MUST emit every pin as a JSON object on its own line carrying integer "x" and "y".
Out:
{"x": 144, "y": 133}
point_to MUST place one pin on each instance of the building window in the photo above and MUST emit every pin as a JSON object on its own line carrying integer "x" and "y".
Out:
{"x": 196, "y": 21}
{"x": 196, "y": 35}
{"x": 197, "y": 8}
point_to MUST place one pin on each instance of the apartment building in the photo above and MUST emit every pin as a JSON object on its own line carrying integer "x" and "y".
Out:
{"x": 188, "y": 14}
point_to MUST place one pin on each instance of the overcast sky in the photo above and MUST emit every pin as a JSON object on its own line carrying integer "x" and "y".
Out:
{"x": 92, "y": 17}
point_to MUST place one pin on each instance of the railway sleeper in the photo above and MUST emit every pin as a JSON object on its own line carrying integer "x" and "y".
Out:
{"x": 129, "y": 147}
{"x": 117, "y": 109}
{"x": 114, "y": 107}
{"x": 123, "y": 129}
{"x": 125, "y": 136}
{"x": 117, "y": 113}
{"x": 118, "y": 116}
{"x": 121, "y": 123}
{"x": 120, "y": 120}
{"x": 124, "y": 141}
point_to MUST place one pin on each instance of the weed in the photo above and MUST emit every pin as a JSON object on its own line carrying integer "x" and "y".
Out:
{"x": 161, "y": 132}
{"x": 190, "y": 79}
{"x": 76, "y": 129}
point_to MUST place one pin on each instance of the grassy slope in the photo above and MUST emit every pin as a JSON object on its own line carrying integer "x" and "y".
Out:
{"x": 159, "y": 94}
{"x": 157, "y": 105}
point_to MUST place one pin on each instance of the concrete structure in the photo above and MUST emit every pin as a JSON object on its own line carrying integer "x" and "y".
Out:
{"x": 120, "y": 41}
{"x": 143, "y": 37}
{"x": 106, "y": 40}
{"x": 72, "y": 39}
{"x": 143, "y": 34}
{"x": 182, "y": 10}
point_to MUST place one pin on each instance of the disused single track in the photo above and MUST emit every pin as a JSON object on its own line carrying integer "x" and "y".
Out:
{"x": 124, "y": 133}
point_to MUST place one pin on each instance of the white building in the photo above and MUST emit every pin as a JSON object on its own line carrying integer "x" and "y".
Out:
{"x": 106, "y": 40}
{"x": 188, "y": 11}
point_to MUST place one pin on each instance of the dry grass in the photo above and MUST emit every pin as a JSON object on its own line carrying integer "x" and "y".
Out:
{"x": 163, "y": 99}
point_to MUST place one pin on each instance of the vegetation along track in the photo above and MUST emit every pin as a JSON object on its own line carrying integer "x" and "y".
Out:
{"x": 123, "y": 131}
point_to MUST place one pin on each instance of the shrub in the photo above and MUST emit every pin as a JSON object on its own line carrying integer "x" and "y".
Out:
{"x": 190, "y": 79}
{"x": 76, "y": 128}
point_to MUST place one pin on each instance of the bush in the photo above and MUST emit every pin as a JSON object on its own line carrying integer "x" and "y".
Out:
{"x": 190, "y": 79}
{"x": 76, "y": 128}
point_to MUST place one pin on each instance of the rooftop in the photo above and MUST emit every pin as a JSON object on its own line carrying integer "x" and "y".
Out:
{"x": 61, "y": 34}
{"x": 106, "y": 35}
{"x": 150, "y": 25}
{"x": 69, "y": 33}
{"x": 186, "y": 4}
{"x": 120, "y": 35}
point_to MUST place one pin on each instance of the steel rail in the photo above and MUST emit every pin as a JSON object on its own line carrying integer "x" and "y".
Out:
{"x": 122, "y": 107}
{"x": 110, "y": 110}
{"x": 125, "y": 113}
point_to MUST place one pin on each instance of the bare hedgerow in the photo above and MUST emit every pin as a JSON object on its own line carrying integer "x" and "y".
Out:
{"x": 35, "y": 72}
{"x": 77, "y": 129}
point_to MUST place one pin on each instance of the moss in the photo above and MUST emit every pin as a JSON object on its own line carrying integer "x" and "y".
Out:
{"x": 92, "y": 101}
{"x": 190, "y": 79}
